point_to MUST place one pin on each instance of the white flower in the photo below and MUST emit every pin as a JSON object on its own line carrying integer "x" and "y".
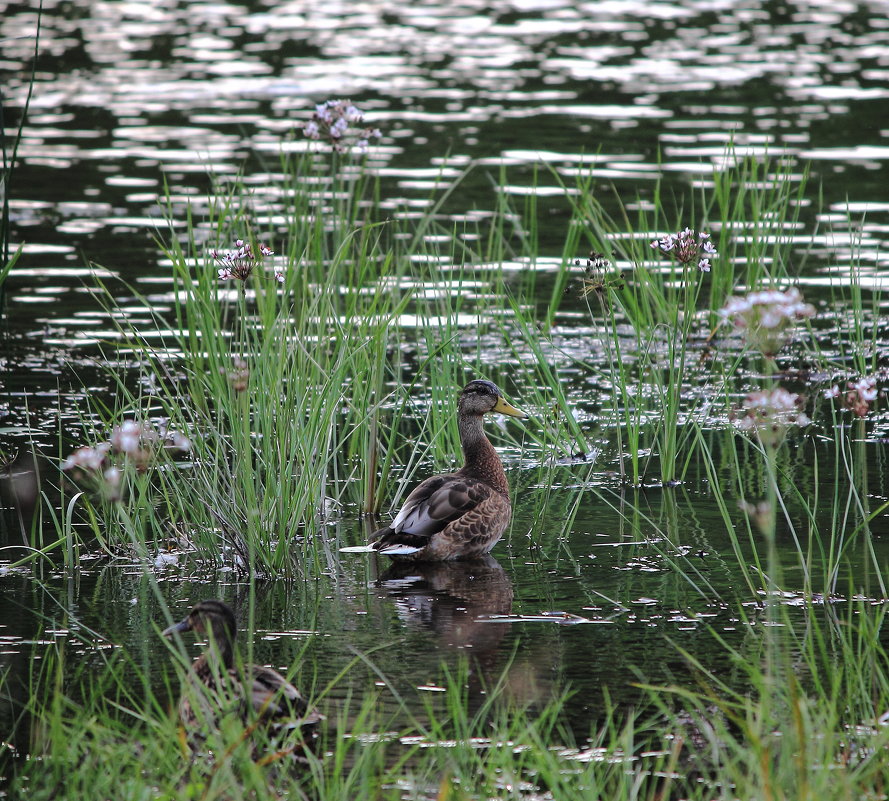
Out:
{"x": 768, "y": 415}
{"x": 866, "y": 389}
{"x": 112, "y": 477}
{"x": 332, "y": 123}
{"x": 686, "y": 247}
{"x": 833, "y": 392}
{"x": 88, "y": 458}
{"x": 766, "y": 315}
{"x": 178, "y": 441}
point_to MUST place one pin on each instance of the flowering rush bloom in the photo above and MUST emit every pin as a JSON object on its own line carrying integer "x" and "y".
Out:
{"x": 859, "y": 395}
{"x": 766, "y": 315}
{"x": 686, "y": 247}
{"x": 769, "y": 414}
{"x": 239, "y": 374}
{"x": 333, "y": 121}
{"x": 132, "y": 442}
{"x": 241, "y": 260}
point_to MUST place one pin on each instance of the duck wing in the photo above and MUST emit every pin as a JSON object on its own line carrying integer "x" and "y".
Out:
{"x": 429, "y": 509}
{"x": 275, "y": 699}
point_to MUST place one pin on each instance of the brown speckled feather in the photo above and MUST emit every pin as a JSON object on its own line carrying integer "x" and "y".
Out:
{"x": 216, "y": 688}
{"x": 458, "y": 515}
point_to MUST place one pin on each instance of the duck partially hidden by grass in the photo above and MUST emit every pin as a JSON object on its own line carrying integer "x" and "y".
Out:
{"x": 217, "y": 687}
{"x": 460, "y": 515}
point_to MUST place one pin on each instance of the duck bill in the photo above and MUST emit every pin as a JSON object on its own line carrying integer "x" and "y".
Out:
{"x": 502, "y": 407}
{"x": 182, "y": 625}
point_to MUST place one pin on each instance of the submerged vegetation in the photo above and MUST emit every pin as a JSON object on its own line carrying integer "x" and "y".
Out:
{"x": 319, "y": 383}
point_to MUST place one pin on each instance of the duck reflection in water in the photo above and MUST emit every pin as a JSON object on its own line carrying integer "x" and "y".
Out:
{"x": 454, "y": 600}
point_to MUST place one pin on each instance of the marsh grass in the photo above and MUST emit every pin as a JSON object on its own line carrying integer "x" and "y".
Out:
{"x": 330, "y": 395}
{"x": 295, "y": 395}
{"x": 807, "y": 724}
{"x": 333, "y": 392}
{"x": 657, "y": 316}
{"x": 794, "y": 717}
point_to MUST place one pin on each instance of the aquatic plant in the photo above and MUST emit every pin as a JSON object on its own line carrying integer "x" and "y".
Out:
{"x": 306, "y": 400}
{"x": 238, "y": 375}
{"x": 687, "y": 246}
{"x": 766, "y": 316}
{"x": 333, "y": 121}
{"x": 858, "y": 396}
{"x": 598, "y": 277}
{"x": 240, "y": 262}
{"x": 132, "y": 444}
{"x": 769, "y": 414}
{"x": 657, "y": 319}
{"x": 804, "y": 723}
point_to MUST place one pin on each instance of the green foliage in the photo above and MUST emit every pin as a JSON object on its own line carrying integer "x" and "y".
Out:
{"x": 801, "y": 726}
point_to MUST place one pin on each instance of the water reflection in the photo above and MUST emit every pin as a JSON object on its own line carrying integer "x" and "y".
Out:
{"x": 452, "y": 600}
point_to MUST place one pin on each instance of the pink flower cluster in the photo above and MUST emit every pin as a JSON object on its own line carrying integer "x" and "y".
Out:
{"x": 766, "y": 316}
{"x": 859, "y": 395}
{"x": 240, "y": 262}
{"x": 686, "y": 247}
{"x": 768, "y": 414}
{"x": 132, "y": 443}
{"x": 239, "y": 374}
{"x": 332, "y": 122}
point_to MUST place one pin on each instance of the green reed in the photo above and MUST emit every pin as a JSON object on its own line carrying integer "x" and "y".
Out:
{"x": 657, "y": 316}
{"x": 805, "y": 723}
{"x": 336, "y": 388}
{"x": 793, "y": 716}
{"x": 295, "y": 395}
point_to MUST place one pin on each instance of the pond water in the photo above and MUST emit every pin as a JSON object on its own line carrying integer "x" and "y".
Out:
{"x": 129, "y": 98}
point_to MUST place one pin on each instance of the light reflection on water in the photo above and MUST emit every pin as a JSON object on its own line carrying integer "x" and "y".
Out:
{"x": 129, "y": 95}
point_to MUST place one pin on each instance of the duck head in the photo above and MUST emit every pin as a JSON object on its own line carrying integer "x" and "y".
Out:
{"x": 480, "y": 397}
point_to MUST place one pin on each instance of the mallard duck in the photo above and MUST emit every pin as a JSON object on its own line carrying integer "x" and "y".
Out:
{"x": 459, "y": 515}
{"x": 216, "y": 686}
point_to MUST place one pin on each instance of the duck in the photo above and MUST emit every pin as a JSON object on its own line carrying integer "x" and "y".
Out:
{"x": 216, "y": 686}
{"x": 458, "y": 515}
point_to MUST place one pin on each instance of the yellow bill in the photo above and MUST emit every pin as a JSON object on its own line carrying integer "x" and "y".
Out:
{"x": 503, "y": 407}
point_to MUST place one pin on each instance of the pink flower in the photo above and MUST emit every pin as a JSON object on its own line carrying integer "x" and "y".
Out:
{"x": 686, "y": 247}
{"x": 336, "y": 122}
{"x": 768, "y": 414}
